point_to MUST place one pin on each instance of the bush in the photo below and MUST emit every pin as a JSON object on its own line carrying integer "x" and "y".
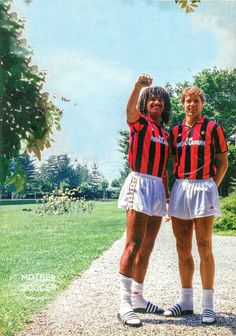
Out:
{"x": 228, "y": 219}
{"x": 61, "y": 201}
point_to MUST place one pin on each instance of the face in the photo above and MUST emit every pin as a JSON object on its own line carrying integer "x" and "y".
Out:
{"x": 193, "y": 106}
{"x": 155, "y": 107}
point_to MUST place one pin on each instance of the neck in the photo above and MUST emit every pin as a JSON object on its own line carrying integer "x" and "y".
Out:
{"x": 191, "y": 121}
{"x": 156, "y": 119}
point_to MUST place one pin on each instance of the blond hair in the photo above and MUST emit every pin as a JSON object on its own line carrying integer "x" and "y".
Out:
{"x": 193, "y": 90}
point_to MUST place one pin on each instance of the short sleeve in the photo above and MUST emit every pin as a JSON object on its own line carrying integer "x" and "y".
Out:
{"x": 138, "y": 125}
{"x": 171, "y": 142}
{"x": 219, "y": 140}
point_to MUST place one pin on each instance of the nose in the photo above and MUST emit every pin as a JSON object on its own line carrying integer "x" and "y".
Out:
{"x": 156, "y": 101}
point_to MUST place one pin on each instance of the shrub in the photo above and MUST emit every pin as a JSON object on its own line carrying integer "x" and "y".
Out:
{"x": 228, "y": 219}
{"x": 63, "y": 201}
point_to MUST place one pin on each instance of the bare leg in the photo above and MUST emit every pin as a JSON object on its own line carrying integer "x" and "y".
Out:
{"x": 183, "y": 231}
{"x": 139, "y": 303}
{"x": 143, "y": 256}
{"x": 204, "y": 226}
{"x": 135, "y": 233}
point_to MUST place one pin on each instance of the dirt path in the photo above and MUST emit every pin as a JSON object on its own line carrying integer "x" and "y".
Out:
{"x": 89, "y": 305}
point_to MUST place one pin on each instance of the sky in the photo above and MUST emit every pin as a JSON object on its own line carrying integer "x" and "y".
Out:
{"x": 93, "y": 51}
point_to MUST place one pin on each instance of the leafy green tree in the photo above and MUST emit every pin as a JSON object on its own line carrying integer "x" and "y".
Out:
{"x": 96, "y": 177}
{"x": 82, "y": 174}
{"x": 86, "y": 190}
{"x": 103, "y": 186}
{"x": 123, "y": 147}
{"x": 228, "y": 183}
{"x": 27, "y": 116}
{"x": 58, "y": 171}
{"x": 219, "y": 86}
{"x": 48, "y": 174}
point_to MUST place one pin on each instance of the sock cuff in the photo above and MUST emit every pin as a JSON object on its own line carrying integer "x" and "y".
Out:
{"x": 207, "y": 292}
{"x": 188, "y": 291}
{"x": 137, "y": 286}
{"x": 125, "y": 278}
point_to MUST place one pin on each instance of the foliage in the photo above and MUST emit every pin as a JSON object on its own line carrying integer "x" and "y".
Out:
{"x": 103, "y": 186}
{"x": 61, "y": 202}
{"x": 228, "y": 182}
{"x": 27, "y": 116}
{"x": 228, "y": 219}
{"x": 123, "y": 147}
{"x": 219, "y": 87}
{"x": 96, "y": 176}
{"x": 59, "y": 172}
{"x": 188, "y": 5}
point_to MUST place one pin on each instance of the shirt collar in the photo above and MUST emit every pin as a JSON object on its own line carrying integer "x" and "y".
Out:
{"x": 200, "y": 121}
{"x": 152, "y": 121}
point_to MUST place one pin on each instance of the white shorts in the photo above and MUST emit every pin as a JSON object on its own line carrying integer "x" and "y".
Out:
{"x": 143, "y": 193}
{"x": 194, "y": 198}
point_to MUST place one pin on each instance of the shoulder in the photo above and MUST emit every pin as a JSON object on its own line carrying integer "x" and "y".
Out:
{"x": 213, "y": 124}
{"x": 165, "y": 131}
{"x": 175, "y": 128}
{"x": 211, "y": 121}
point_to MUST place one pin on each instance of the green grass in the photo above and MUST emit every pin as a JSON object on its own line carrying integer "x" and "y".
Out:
{"x": 55, "y": 248}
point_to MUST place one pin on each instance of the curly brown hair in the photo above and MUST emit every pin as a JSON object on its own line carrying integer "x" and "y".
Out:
{"x": 160, "y": 93}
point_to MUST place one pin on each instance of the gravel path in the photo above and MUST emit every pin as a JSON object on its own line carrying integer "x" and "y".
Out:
{"x": 89, "y": 305}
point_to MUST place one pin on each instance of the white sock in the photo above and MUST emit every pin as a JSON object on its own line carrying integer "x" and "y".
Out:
{"x": 207, "y": 303}
{"x": 138, "y": 301}
{"x": 207, "y": 299}
{"x": 186, "y": 299}
{"x": 125, "y": 294}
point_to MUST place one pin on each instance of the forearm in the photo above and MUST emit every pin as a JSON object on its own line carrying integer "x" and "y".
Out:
{"x": 221, "y": 170}
{"x": 131, "y": 109}
{"x": 222, "y": 166}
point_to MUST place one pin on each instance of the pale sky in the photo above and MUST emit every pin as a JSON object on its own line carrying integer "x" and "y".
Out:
{"x": 94, "y": 50}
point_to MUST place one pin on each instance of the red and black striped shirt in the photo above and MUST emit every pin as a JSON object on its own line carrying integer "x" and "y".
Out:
{"x": 148, "y": 150}
{"x": 195, "y": 148}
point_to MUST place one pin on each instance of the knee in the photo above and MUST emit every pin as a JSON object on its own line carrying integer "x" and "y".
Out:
{"x": 204, "y": 247}
{"x": 132, "y": 247}
{"x": 184, "y": 251}
{"x": 144, "y": 253}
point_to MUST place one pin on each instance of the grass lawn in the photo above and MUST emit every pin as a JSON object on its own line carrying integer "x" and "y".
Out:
{"x": 40, "y": 256}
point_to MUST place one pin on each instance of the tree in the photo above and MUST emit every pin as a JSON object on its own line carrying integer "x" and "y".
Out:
{"x": 96, "y": 177}
{"x": 82, "y": 174}
{"x": 27, "y": 116}
{"x": 188, "y": 5}
{"x": 58, "y": 171}
{"x": 219, "y": 87}
{"x": 86, "y": 190}
{"x": 123, "y": 147}
{"x": 104, "y": 185}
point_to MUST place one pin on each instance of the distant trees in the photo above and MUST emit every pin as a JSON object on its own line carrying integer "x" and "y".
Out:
{"x": 59, "y": 172}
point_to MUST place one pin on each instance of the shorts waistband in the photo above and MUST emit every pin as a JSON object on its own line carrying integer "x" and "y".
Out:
{"x": 146, "y": 175}
{"x": 194, "y": 181}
